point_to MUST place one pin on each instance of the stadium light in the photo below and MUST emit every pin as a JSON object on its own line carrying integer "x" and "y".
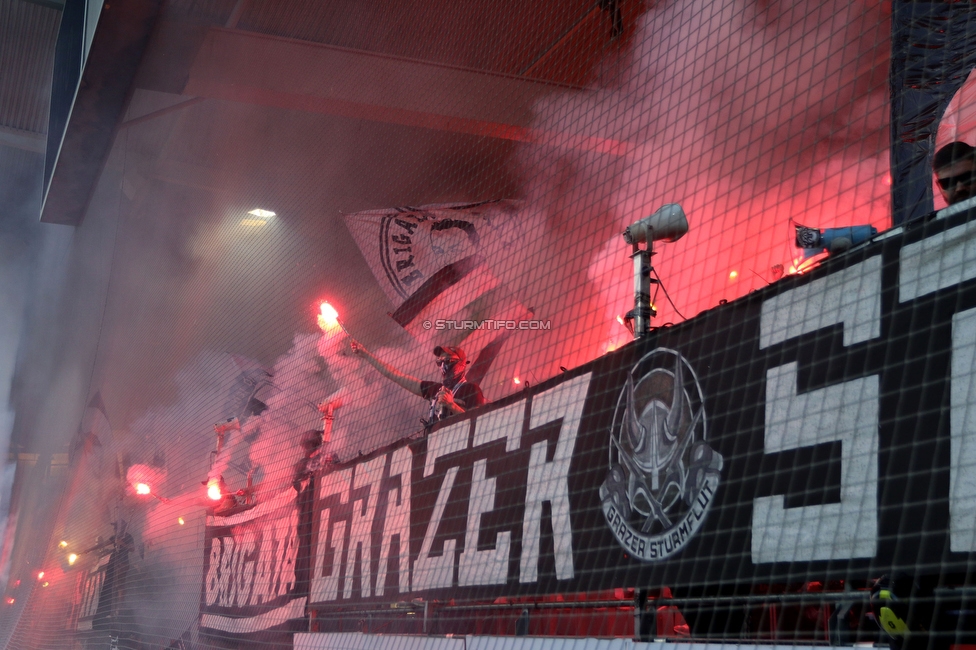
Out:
{"x": 258, "y": 217}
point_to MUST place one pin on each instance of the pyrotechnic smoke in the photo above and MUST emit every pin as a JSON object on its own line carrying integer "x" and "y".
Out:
{"x": 144, "y": 479}
{"x": 748, "y": 114}
{"x": 169, "y": 449}
{"x": 370, "y": 403}
{"x": 299, "y": 384}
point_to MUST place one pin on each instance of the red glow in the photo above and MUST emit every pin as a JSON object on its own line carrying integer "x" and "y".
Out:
{"x": 516, "y": 381}
{"x": 801, "y": 266}
{"x": 142, "y": 488}
{"x": 328, "y": 317}
{"x": 10, "y": 600}
{"x": 213, "y": 491}
{"x": 40, "y": 575}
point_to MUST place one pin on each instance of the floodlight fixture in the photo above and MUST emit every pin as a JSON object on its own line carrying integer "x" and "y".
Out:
{"x": 257, "y": 218}
{"x": 668, "y": 223}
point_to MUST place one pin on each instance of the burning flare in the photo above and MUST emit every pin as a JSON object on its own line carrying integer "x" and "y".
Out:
{"x": 213, "y": 491}
{"x": 328, "y": 318}
{"x": 142, "y": 488}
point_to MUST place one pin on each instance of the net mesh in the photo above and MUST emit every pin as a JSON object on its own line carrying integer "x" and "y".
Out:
{"x": 242, "y": 413}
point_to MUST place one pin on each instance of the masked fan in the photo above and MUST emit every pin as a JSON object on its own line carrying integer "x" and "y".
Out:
{"x": 452, "y": 395}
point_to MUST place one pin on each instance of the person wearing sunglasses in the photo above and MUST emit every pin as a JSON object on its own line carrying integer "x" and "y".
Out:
{"x": 452, "y": 395}
{"x": 954, "y": 166}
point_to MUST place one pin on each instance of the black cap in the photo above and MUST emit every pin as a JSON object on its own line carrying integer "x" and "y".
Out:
{"x": 951, "y": 153}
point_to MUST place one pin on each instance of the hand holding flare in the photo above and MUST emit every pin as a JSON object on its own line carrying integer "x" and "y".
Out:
{"x": 328, "y": 319}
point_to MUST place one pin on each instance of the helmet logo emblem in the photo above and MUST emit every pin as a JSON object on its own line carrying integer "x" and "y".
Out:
{"x": 663, "y": 474}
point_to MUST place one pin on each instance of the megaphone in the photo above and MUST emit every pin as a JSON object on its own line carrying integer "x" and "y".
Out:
{"x": 832, "y": 240}
{"x": 668, "y": 223}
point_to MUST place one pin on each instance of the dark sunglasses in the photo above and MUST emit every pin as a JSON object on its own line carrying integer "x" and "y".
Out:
{"x": 948, "y": 182}
{"x": 447, "y": 362}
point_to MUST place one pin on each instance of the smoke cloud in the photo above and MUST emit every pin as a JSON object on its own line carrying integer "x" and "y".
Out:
{"x": 751, "y": 115}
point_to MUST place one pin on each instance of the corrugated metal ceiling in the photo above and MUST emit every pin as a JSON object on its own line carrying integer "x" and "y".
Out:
{"x": 27, "y": 35}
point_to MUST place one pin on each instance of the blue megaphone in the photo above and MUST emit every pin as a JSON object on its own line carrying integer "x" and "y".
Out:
{"x": 832, "y": 240}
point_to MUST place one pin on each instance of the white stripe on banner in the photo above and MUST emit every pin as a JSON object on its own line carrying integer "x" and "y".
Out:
{"x": 937, "y": 262}
{"x": 246, "y": 624}
{"x": 355, "y": 641}
{"x": 336, "y": 641}
{"x": 536, "y": 643}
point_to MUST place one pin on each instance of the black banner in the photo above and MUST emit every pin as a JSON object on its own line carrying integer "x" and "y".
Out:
{"x": 90, "y": 587}
{"x": 256, "y": 571}
{"x": 824, "y": 427}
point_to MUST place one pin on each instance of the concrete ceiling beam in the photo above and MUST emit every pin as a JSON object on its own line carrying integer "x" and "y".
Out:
{"x": 296, "y": 75}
